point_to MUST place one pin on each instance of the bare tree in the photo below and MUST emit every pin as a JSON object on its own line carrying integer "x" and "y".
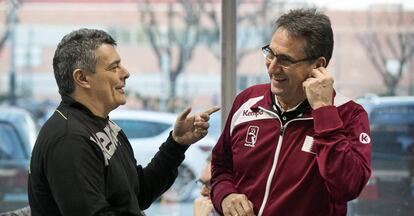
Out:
{"x": 173, "y": 42}
{"x": 9, "y": 32}
{"x": 261, "y": 19}
{"x": 390, "y": 47}
{"x": 11, "y": 11}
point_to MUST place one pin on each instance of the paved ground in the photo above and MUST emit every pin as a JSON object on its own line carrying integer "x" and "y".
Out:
{"x": 174, "y": 209}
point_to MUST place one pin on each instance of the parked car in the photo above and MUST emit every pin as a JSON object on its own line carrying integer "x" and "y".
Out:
{"x": 14, "y": 159}
{"x": 147, "y": 130}
{"x": 23, "y": 121}
{"x": 390, "y": 190}
{"x": 18, "y": 132}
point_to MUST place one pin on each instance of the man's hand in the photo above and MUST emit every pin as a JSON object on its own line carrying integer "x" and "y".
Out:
{"x": 237, "y": 205}
{"x": 203, "y": 206}
{"x": 319, "y": 88}
{"x": 190, "y": 129}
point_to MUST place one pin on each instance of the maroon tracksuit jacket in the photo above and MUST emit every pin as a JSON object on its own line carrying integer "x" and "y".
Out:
{"x": 312, "y": 165}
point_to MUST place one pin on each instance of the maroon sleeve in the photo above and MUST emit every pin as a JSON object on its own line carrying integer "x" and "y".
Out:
{"x": 343, "y": 149}
{"x": 222, "y": 166}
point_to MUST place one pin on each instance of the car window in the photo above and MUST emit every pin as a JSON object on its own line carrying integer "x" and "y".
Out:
{"x": 23, "y": 122}
{"x": 11, "y": 146}
{"x": 141, "y": 129}
{"x": 400, "y": 114}
{"x": 392, "y": 129}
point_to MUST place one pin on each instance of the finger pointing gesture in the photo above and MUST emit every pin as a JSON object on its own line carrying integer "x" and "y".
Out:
{"x": 190, "y": 129}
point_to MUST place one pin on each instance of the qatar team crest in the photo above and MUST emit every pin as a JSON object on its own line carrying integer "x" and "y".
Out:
{"x": 251, "y": 136}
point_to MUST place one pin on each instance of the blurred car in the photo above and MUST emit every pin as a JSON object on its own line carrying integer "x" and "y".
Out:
{"x": 390, "y": 190}
{"x": 14, "y": 159}
{"x": 147, "y": 130}
{"x": 23, "y": 121}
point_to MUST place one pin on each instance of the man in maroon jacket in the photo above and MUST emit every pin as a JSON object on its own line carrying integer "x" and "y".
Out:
{"x": 293, "y": 146}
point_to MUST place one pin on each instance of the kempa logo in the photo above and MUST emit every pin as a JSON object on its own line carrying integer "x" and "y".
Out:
{"x": 251, "y": 136}
{"x": 251, "y": 113}
{"x": 364, "y": 138}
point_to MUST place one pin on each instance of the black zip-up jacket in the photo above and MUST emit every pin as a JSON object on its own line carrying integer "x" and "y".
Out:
{"x": 83, "y": 165}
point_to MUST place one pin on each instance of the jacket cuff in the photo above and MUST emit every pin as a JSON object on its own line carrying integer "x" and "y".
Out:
{"x": 219, "y": 192}
{"x": 174, "y": 149}
{"x": 326, "y": 119}
{"x": 175, "y": 146}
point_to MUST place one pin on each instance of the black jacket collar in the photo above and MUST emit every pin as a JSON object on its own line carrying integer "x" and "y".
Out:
{"x": 70, "y": 102}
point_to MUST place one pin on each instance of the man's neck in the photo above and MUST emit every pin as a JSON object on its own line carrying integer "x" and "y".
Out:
{"x": 91, "y": 103}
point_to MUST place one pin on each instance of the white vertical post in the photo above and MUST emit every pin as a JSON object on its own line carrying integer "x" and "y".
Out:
{"x": 228, "y": 56}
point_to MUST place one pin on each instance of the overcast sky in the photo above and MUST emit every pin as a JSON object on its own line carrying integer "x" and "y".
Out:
{"x": 359, "y": 4}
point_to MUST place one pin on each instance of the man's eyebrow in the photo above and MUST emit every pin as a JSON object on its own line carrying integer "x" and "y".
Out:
{"x": 284, "y": 56}
{"x": 280, "y": 54}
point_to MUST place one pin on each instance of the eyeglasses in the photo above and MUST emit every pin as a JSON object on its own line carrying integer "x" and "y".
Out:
{"x": 206, "y": 184}
{"x": 282, "y": 60}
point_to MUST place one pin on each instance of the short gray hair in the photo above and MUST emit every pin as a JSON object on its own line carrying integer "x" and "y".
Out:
{"x": 312, "y": 25}
{"x": 77, "y": 50}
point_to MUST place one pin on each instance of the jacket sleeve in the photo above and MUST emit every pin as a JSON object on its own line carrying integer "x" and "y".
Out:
{"x": 343, "y": 151}
{"x": 222, "y": 166}
{"x": 161, "y": 172}
{"x": 76, "y": 179}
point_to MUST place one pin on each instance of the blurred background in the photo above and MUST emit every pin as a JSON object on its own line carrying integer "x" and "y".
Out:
{"x": 172, "y": 49}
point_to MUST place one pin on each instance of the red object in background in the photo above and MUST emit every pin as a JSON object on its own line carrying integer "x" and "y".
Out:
{"x": 370, "y": 191}
{"x": 21, "y": 178}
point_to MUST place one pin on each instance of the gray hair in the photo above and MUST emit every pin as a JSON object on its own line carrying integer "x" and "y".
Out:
{"x": 315, "y": 27}
{"x": 77, "y": 50}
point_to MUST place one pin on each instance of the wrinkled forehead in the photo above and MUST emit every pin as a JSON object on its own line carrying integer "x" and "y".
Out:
{"x": 283, "y": 42}
{"x": 106, "y": 54}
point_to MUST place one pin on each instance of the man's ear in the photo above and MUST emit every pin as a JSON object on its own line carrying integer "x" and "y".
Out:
{"x": 81, "y": 78}
{"x": 320, "y": 62}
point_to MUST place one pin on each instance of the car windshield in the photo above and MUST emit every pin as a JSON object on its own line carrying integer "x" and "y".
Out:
{"x": 23, "y": 123}
{"x": 141, "y": 129}
{"x": 10, "y": 143}
{"x": 392, "y": 129}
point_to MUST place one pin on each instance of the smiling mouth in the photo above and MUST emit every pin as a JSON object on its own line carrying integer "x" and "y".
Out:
{"x": 278, "y": 79}
{"x": 121, "y": 89}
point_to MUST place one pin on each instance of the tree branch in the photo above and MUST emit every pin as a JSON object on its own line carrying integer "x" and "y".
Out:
{"x": 396, "y": 45}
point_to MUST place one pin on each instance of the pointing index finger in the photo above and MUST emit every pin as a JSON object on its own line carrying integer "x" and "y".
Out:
{"x": 212, "y": 110}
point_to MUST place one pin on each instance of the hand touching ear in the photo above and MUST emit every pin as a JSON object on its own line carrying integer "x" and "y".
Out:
{"x": 319, "y": 88}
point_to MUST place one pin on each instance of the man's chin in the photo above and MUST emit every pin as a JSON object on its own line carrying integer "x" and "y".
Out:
{"x": 119, "y": 103}
{"x": 123, "y": 102}
{"x": 277, "y": 91}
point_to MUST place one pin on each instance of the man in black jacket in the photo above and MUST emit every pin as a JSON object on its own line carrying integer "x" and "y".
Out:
{"x": 82, "y": 163}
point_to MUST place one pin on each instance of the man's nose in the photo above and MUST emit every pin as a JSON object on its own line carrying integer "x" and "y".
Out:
{"x": 125, "y": 73}
{"x": 205, "y": 191}
{"x": 273, "y": 66}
